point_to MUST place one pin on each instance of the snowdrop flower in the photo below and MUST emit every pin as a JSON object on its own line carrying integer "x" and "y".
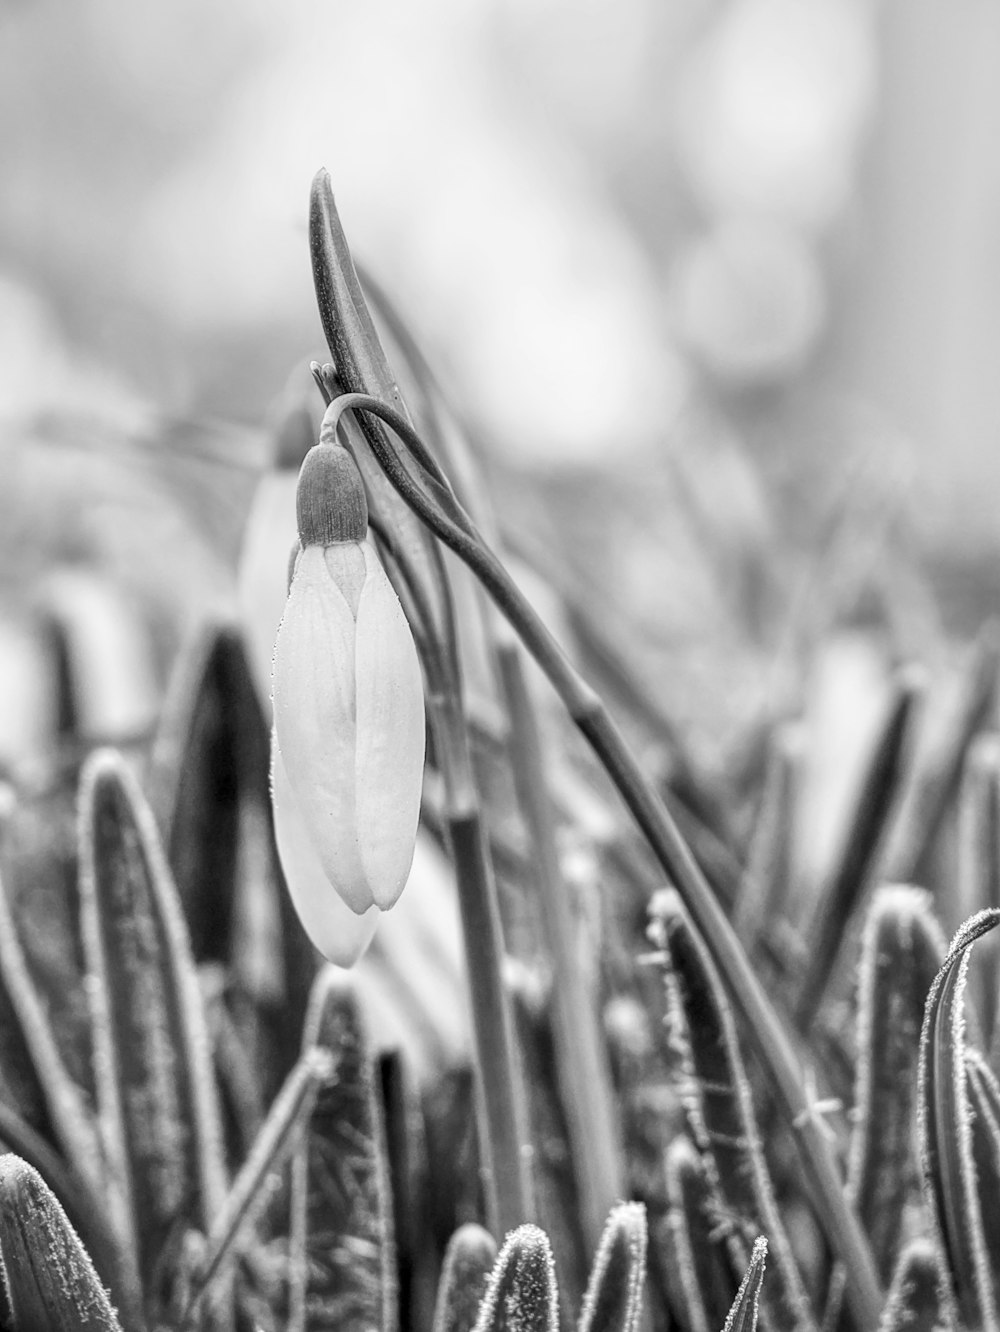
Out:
{"x": 348, "y": 704}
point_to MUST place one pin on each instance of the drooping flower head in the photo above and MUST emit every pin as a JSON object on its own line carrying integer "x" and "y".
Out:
{"x": 348, "y": 696}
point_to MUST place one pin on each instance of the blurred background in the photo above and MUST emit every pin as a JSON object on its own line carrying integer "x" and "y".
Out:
{"x": 720, "y": 278}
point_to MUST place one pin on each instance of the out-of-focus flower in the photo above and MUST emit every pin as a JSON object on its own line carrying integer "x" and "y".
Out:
{"x": 348, "y": 699}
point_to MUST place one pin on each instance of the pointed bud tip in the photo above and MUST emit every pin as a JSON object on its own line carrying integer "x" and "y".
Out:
{"x": 330, "y": 503}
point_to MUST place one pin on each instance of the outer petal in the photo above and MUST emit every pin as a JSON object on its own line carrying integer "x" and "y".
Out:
{"x": 338, "y": 933}
{"x": 390, "y": 737}
{"x": 314, "y": 720}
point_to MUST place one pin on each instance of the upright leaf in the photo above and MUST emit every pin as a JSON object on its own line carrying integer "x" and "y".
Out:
{"x": 766, "y": 881}
{"x": 978, "y": 881}
{"x": 613, "y": 1300}
{"x": 914, "y": 1301}
{"x": 406, "y": 1153}
{"x": 743, "y": 1314}
{"x": 552, "y": 1166}
{"x": 343, "y": 1260}
{"x": 156, "y": 1090}
{"x": 947, "y": 1162}
{"x": 260, "y": 1175}
{"x": 902, "y": 951}
{"x": 522, "y": 1295}
{"x": 984, "y": 1101}
{"x": 876, "y": 802}
{"x": 210, "y": 778}
{"x": 938, "y": 787}
{"x": 692, "y": 1249}
{"x": 67, "y": 1111}
{"x": 50, "y": 1283}
{"x": 468, "y": 1261}
{"x": 719, "y": 1106}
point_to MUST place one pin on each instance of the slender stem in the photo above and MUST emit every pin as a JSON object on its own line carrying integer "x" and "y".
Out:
{"x": 836, "y": 1218}
{"x": 504, "y": 1136}
{"x": 501, "y": 1098}
{"x": 581, "y": 1061}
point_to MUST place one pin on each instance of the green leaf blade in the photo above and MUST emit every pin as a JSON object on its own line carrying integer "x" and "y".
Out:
{"x": 468, "y": 1261}
{"x": 156, "y": 1090}
{"x": 51, "y": 1285}
{"x": 613, "y": 1300}
{"x": 945, "y": 1133}
{"x": 902, "y": 951}
{"x": 343, "y": 1269}
{"x": 743, "y": 1314}
{"x": 522, "y": 1295}
{"x": 718, "y": 1102}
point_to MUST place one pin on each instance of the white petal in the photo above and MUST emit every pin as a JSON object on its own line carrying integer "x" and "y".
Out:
{"x": 338, "y": 933}
{"x": 390, "y": 737}
{"x": 314, "y": 719}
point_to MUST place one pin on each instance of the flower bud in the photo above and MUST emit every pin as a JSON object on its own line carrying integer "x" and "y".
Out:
{"x": 348, "y": 696}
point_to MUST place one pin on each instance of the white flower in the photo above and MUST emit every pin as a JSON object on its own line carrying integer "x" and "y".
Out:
{"x": 348, "y": 697}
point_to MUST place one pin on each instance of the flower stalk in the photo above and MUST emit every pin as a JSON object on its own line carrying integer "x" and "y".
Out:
{"x": 432, "y": 499}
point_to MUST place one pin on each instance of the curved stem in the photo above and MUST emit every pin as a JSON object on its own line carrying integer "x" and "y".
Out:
{"x": 775, "y": 1051}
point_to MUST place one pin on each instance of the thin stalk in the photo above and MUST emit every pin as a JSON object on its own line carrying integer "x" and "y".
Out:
{"x": 501, "y": 1098}
{"x": 508, "y": 1161}
{"x": 581, "y": 1062}
{"x": 838, "y": 1221}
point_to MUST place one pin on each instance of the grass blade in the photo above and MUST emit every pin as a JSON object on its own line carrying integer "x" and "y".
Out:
{"x": 343, "y": 1261}
{"x": 409, "y": 1186}
{"x": 522, "y": 1295}
{"x": 979, "y": 866}
{"x": 209, "y": 776}
{"x": 209, "y": 779}
{"x": 937, "y": 790}
{"x": 156, "y": 1090}
{"x": 41, "y": 873}
{"x": 766, "y": 881}
{"x": 581, "y": 1063}
{"x": 28, "y": 1031}
{"x": 552, "y": 1173}
{"x": 902, "y": 951}
{"x": 743, "y": 1314}
{"x": 468, "y": 1261}
{"x": 867, "y": 829}
{"x": 261, "y": 1174}
{"x": 50, "y": 1281}
{"x": 693, "y": 1249}
{"x": 69, "y": 1115}
{"x": 718, "y": 1102}
{"x": 914, "y": 1300}
{"x": 984, "y": 1100}
{"x": 946, "y": 1134}
{"x": 613, "y": 1301}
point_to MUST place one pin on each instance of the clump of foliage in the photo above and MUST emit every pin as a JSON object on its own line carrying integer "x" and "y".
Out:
{"x": 200, "y": 1133}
